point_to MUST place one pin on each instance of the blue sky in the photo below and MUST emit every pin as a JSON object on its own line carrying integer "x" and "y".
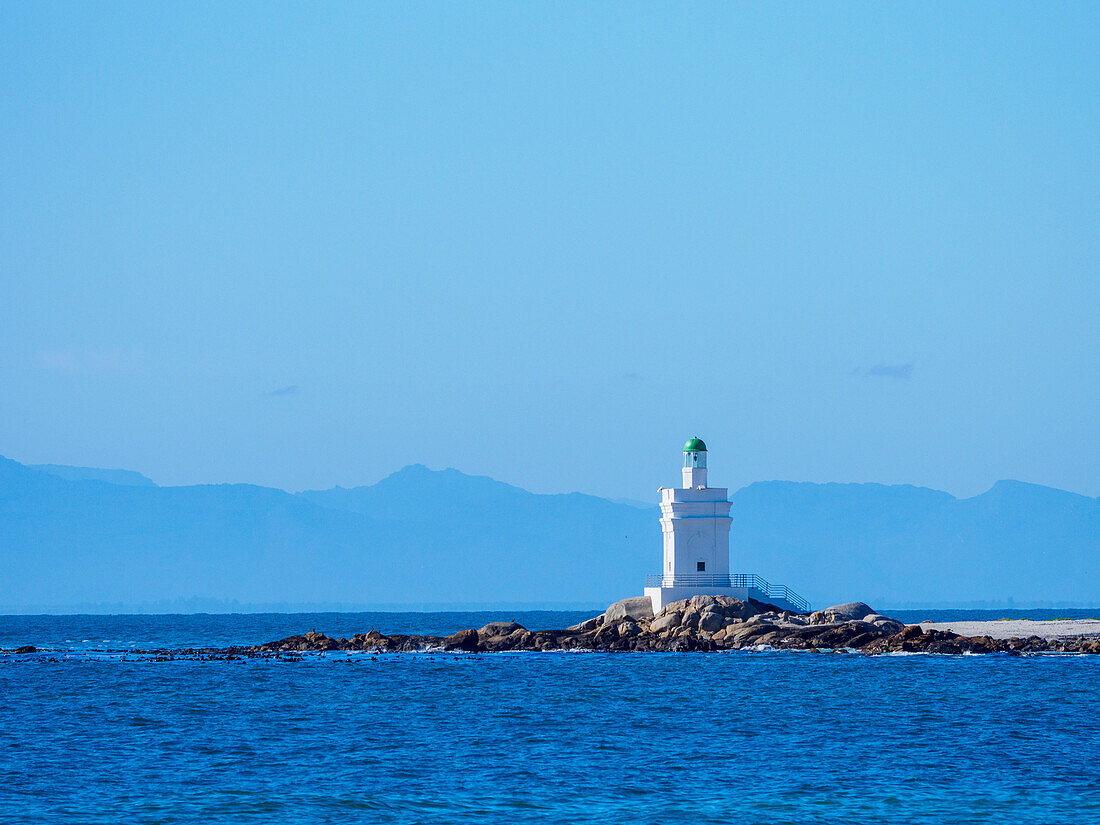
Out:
{"x": 304, "y": 245}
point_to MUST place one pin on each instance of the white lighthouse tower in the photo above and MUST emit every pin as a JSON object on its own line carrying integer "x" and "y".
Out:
{"x": 695, "y": 527}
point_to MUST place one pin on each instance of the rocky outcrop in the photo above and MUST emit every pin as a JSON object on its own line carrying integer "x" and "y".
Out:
{"x": 498, "y": 629}
{"x": 914, "y": 639}
{"x": 668, "y": 621}
{"x": 373, "y": 641}
{"x": 884, "y": 622}
{"x": 463, "y": 640}
{"x": 850, "y": 611}
{"x": 701, "y": 623}
{"x": 637, "y": 608}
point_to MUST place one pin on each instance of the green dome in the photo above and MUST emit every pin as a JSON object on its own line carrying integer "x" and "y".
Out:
{"x": 695, "y": 445}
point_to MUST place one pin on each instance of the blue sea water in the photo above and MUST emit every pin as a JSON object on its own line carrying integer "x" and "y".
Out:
{"x": 89, "y": 632}
{"x": 772, "y": 737}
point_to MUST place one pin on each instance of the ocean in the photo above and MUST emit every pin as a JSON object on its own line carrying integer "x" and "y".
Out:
{"x": 90, "y": 736}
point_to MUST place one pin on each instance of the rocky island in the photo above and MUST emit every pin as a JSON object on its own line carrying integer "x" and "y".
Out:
{"x": 701, "y": 623}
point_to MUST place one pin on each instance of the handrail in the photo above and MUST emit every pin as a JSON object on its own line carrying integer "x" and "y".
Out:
{"x": 708, "y": 580}
{"x": 746, "y": 580}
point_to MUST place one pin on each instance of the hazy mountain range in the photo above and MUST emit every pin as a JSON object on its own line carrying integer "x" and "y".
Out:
{"x": 81, "y": 538}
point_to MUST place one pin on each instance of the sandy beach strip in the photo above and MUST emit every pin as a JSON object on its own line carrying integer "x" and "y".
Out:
{"x": 1020, "y": 628}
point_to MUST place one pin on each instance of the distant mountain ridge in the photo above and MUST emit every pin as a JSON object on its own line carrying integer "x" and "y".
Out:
{"x": 129, "y": 478}
{"x": 443, "y": 537}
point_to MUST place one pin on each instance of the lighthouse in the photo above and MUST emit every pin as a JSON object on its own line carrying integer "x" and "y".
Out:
{"x": 695, "y": 524}
{"x": 695, "y": 534}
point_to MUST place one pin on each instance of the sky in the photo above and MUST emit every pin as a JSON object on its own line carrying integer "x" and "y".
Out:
{"x": 303, "y": 245}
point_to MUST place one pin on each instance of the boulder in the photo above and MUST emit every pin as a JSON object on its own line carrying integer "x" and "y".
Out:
{"x": 733, "y": 608}
{"x": 709, "y": 621}
{"x": 679, "y": 606}
{"x": 499, "y": 629}
{"x": 884, "y": 623}
{"x": 314, "y": 641}
{"x": 604, "y": 636}
{"x": 545, "y": 640}
{"x": 587, "y": 625}
{"x": 809, "y": 632}
{"x": 746, "y": 632}
{"x": 841, "y": 635}
{"x": 519, "y": 637}
{"x": 664, "y": 622}
{"x": 726, "y": 605}
{"x": 862, "y": 640}
{"x": 463, "y": 640}
{"x": 701, "y": 603}
{"x": 627, "y": 629}
{"x": 635, "y": 608}
{"x": 723, "y": 605}
{"x": 849, "y": 611}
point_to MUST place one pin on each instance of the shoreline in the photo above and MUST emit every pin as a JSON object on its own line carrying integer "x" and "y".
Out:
{"x": 701, "y": 624}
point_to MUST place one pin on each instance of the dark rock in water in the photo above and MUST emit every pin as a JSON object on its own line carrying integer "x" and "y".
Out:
{"x": 915, "y": 640}
{"x": 701, "y": 623}
{"x": 26, "y": 649}
{"x": 498, "y": 629}
{"x": 884, "y": 623}
{"x": 463, "y": 640}
{"x": 308, "y": 641}
{"x": 518, "y": 639}
{"x": 587, "y": 625}
{"x": 862, "y": 640}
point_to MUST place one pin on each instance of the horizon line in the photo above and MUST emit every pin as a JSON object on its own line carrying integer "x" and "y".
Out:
{"x": 625, "y": 500}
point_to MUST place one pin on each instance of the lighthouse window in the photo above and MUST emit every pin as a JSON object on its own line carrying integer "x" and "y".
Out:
{"x": 700, "y": 566}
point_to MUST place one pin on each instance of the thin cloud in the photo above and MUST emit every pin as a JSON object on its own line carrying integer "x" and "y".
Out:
{"x": 902, "y": 372}
{"x": 289, "y": 389}
{"x": 88, "y": 360}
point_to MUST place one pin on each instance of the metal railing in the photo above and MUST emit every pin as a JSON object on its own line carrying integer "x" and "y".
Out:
{"x": 747, "y": 580}
{"x": 706, "y": 580}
